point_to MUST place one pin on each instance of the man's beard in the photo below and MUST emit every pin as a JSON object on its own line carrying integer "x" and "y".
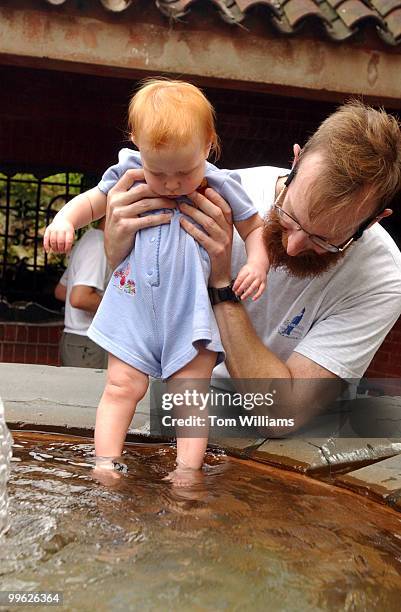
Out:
{"x": 307, "y": 263}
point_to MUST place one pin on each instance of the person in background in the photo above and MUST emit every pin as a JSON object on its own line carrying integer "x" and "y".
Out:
{"x": 81, "y": 288}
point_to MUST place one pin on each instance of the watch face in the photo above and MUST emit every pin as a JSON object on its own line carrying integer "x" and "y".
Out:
{"x": 230, "y": 295}
{"x": 223, "y": 294}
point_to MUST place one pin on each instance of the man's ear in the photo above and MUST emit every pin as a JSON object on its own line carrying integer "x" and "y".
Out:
{"x": 132, "y": 138}
{"x": 297, "y": 152}
{"x": 385, "y": 213}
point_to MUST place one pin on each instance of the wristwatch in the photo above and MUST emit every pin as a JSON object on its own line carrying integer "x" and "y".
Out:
{"x": 223, "y": 294}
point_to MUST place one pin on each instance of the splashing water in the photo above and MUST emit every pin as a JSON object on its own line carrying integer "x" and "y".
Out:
{"x": 5, "y": 458}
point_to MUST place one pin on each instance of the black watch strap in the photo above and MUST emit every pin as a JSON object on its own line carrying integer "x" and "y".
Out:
{"x": 222, "y": 294}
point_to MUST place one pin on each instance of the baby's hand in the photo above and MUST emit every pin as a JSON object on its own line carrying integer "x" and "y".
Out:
{"x": 251, "y": 279}
{"x": 59, "y": 236}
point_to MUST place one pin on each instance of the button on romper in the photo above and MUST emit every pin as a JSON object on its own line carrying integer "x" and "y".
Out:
{"x": 156, "y": 310}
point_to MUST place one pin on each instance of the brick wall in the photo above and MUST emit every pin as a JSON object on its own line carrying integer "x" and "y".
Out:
{"x": 44, "y": 122}
{"x": 387, "y": 361}
{"x": 29, "y": 343}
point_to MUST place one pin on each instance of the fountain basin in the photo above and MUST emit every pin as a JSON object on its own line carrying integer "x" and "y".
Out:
{"x": 245, "y": 536}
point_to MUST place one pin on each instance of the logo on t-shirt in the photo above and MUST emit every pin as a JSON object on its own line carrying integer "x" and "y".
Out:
{"x": 121, "y": 280}
{"x": 291, "y": 327}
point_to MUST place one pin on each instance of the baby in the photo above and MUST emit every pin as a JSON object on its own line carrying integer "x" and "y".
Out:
{"x": 155, "y": 318}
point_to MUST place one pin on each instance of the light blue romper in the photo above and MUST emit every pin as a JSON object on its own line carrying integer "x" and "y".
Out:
{"x": 156, "y": 308}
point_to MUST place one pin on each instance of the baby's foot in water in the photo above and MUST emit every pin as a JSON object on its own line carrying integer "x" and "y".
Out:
{"x": 185, "y": 477}
{"x": 106, "y": 470}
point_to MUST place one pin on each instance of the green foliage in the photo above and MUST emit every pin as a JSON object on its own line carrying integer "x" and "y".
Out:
{"x": 33, "y": 203}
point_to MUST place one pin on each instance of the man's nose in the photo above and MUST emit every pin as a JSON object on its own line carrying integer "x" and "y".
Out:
{"x": 296, "y": 242}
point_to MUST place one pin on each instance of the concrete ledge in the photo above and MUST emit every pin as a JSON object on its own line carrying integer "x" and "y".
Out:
{"x": 68, "y": 386}
{"x": 58, "y": 397}
{"x": 295, "y": 454}
{"x": 238, "y": 447}
{"x": 381, "y": 480}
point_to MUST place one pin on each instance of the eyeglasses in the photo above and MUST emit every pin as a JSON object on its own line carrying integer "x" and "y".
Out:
{"x": 286, "y": 218}
{"x": 318, "y": 240}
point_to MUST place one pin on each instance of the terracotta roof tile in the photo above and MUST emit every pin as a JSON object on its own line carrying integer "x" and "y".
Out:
{"x": 384, "y": 7}
{"x": 244, "y": 5}
{"x": 340, "y": 19}
{"x": 112, "y": 5}
{"x": 334, "y": 3}
{"x": 297, "y": 10}
{"x": 353, "y": 11}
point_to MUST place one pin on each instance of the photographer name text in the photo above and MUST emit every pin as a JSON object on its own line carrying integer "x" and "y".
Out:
{"x": 213, "y": 420}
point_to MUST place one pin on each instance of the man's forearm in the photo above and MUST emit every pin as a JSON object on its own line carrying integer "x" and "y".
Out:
{"x": 92, "y": 303}
{"x": 60, "y": 292}
{"x": 246, "y": 355}
{"x": 85, "y": 298}
{"x": 255, "y": 368}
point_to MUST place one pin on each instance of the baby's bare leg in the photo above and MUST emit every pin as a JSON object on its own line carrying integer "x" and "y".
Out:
{"x": 194, "y": 376}
{"x": 125, "y": 387}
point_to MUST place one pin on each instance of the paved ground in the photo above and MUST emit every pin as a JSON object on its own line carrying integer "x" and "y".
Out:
{"x": 46, "y": 396}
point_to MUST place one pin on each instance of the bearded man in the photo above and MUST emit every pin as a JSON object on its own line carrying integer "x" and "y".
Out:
{"x": 334, "y": 287}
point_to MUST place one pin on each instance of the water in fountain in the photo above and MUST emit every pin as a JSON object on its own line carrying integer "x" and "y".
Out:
{"x": 5, "y": 457}
{"x": 243, "y": 537}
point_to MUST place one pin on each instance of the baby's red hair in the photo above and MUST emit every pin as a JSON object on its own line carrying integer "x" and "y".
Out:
{"x": 171, "y": 113}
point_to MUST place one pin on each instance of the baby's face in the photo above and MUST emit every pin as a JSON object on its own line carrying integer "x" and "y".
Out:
{"x": 174, "y": 171}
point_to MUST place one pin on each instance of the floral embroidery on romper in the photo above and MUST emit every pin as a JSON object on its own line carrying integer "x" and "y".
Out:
{"x": 120, "y": 277}
{"x": 122, "y": 282}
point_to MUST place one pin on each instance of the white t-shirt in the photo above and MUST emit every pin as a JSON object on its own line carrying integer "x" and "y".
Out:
{"x": 87, "y": 266}
{"x": 337, "y": 319}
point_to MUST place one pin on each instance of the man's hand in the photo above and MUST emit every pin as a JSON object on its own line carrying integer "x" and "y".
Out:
{"x": 124, "y": 205}
{"x": 214, "y": 215}
{"x": 251, "y": 279}
{"x": 59, "y": 236}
